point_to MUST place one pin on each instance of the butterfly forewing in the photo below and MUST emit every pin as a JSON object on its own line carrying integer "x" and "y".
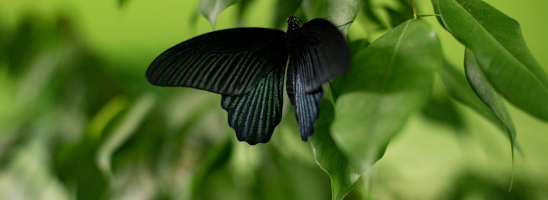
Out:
{"x": 255, "y": 114}
{"x": 323, "y": 52}
{"x": 228, "y": 62}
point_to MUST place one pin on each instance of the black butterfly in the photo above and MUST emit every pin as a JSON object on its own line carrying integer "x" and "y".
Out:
{"x": 247, "y": 66}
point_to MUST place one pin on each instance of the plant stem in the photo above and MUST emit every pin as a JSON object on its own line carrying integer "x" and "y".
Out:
{"x": 415, "y": 15}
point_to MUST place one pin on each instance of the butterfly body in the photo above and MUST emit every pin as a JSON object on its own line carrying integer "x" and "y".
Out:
{"x": 247, "y": 67}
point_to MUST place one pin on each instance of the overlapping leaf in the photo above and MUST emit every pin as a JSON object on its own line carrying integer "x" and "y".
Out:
{"x": 500, "y": 51}
{"x": 488, "y": 95}
{"x": 344, "y": 171}
{"x": 459, "y": 89}
{"x": 387, "y": 82}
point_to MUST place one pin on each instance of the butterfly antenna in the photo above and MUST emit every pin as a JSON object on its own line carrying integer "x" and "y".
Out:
{"x": 297, "y": 8}
{"x": 333, "y": 89}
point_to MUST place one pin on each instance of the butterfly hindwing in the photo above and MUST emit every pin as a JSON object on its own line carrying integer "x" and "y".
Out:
{"x": 255, "y": 115}
{"x": 306, "y": 104}
{"x": 323, "y": 51}
{"x": 228, "y": 62}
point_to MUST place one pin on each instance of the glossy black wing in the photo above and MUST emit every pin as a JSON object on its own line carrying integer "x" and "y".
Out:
{"x": 322, "y": 51}
{"x": 307, "y": 105}
{"x": 228, "y": 62}
{"x": 255, "y": 114}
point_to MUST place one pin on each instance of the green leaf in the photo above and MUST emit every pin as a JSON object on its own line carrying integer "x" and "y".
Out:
{"x": 344, "y": 172}
{"x": 440, "y": 109}
{"x": 371, "y": 21}
{"x": 458, "y": 88}
{"x": 342, "y": 12}
{"x": 211, "y": 9}
{"x": 488, "y": 95}
{"x": 500, "y": 51}
{"x": 400, "y": 14}
{"x": 357, "y": 45}
{"x": 386, "y": 83}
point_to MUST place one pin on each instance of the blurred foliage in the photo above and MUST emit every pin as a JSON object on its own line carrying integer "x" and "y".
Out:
{"x": 79, "y": 121}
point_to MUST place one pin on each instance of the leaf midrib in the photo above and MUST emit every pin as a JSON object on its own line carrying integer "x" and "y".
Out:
{"x": 387, "y": 74}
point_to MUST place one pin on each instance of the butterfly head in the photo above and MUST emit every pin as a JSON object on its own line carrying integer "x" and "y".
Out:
{"x": 293, "y": 23}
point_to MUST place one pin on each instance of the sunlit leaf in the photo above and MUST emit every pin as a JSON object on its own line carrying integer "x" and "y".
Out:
{"x": 500, "y": 51}
{"x": 211, "y": 9}
{"x": 488, "y": 95}
{"x": 341, "y": 13}
{"x": 386, "y": 83}
{"x": 344, "y": 171}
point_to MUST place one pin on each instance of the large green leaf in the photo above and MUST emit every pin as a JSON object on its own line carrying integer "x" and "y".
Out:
{"x": 341, "y": 12}
{"x": 386, "y": 83}
{"x": 500, "y": 50}
{"x": 488, "y": 95}
{"x": 212, "y": 8}
{"x": 344, "y": 171}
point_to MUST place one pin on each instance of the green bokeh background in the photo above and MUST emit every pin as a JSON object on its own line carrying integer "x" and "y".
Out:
{"x": 428, "y": 160}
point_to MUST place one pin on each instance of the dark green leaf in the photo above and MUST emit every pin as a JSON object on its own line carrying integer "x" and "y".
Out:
{"x": 211, "y": 9}
{"x": 500, "y": 51}
{"x": 488, "y": 95}
{"x": 372, "y": 22}
{"x": 358, "y": 45}
{"x": 441, "y": 109}
{"x": 344, "y": 172}
{"x": 459, "y": 89}
{"x": 400, "y": 14}
{"x": 386, "y": 83}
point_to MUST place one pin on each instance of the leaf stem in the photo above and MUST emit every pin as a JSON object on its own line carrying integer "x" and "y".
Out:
{"x": 431, "y": 15}
{"x": 415, "y": 15}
